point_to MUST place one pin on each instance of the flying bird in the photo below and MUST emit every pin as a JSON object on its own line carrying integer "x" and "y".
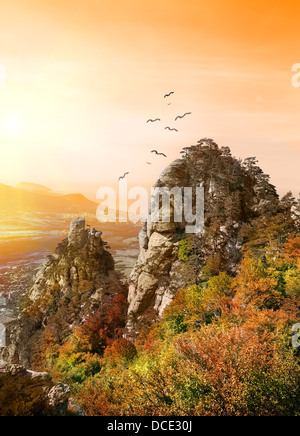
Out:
{"x": 168, "y": 95}
{"x": 123, "y": 177}
{"x": 153, "y": 121}
{"x": 169, "y": 128}
{"x": 149, "y": 163}
{"x": 182, "y": 116}
{"x": 159, "y": 154}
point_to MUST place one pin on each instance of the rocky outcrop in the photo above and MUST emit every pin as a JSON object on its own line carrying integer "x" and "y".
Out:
{"x": 81, "y": 263}
{"x": 28, "y": 393}
{"x": 21, "y": 337}
{"x": 73, "y": 283}
{"x": 235, "y": 192}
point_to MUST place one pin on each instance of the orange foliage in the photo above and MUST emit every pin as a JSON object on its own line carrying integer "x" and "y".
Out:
{"x": 238, "y": 369}
{"x": 292, "y": 248}
{"x": 254, "y": 288}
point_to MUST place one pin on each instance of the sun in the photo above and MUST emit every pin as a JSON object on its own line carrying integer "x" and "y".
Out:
{"x": 12, "y": 125}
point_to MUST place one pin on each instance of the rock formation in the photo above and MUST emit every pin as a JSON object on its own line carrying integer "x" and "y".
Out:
{"x": 81, "y": 264}
{"x": 234, "y": 193}
{"x": 72, "y": 284}
{"x": 28, "y": 393}
{"x": 80, "y": 277}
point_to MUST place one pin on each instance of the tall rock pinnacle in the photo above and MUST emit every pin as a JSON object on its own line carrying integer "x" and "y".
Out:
{"x": 234, "y": 193}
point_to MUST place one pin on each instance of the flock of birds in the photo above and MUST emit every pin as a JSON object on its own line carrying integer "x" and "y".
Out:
{"x": 171, "y": 129}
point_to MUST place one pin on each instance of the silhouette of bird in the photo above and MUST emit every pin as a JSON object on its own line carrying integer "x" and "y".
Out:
{"x": 149, "y": 163}
{"x": 159, "y": 154}
{"x": 168, "y": 95}
{"x": 123, "y": 177}
{"x": 182, "y": 116}
{"x": 153, "y": 121}
{"x": 169, "y": 128}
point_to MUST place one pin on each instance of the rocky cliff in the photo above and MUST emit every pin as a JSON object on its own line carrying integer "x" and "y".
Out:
{"x": 28, "y": 393}
{"x": 235, "y": 193}
{"x": 73, "y": 283}
{"x": 80, "y": 277}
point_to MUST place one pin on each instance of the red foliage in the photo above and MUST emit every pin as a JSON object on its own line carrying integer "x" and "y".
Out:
{"x": 100, "y": 329}
{"x": 121, "y": 349}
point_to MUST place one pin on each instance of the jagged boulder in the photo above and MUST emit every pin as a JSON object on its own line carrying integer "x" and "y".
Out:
{"x": 28, "y": 393}
{"x": 235, "y": 192}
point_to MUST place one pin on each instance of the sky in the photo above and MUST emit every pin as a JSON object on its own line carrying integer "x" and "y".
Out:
{"x": 80, "y": 78}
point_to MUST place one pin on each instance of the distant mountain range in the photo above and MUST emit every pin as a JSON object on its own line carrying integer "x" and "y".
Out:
{"x": 29, "y": 197}
{"x": 33, "y": 187}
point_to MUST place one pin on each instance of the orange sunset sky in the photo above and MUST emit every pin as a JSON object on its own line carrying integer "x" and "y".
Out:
{"x": 82, "y": 77}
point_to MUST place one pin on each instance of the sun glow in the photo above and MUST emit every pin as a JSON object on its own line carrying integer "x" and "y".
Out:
{"x": 12, "y": 124}
{"x": 77, "y": 86}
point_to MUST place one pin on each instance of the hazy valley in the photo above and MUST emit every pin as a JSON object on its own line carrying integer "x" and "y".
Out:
{"x": 29, "y": 235}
